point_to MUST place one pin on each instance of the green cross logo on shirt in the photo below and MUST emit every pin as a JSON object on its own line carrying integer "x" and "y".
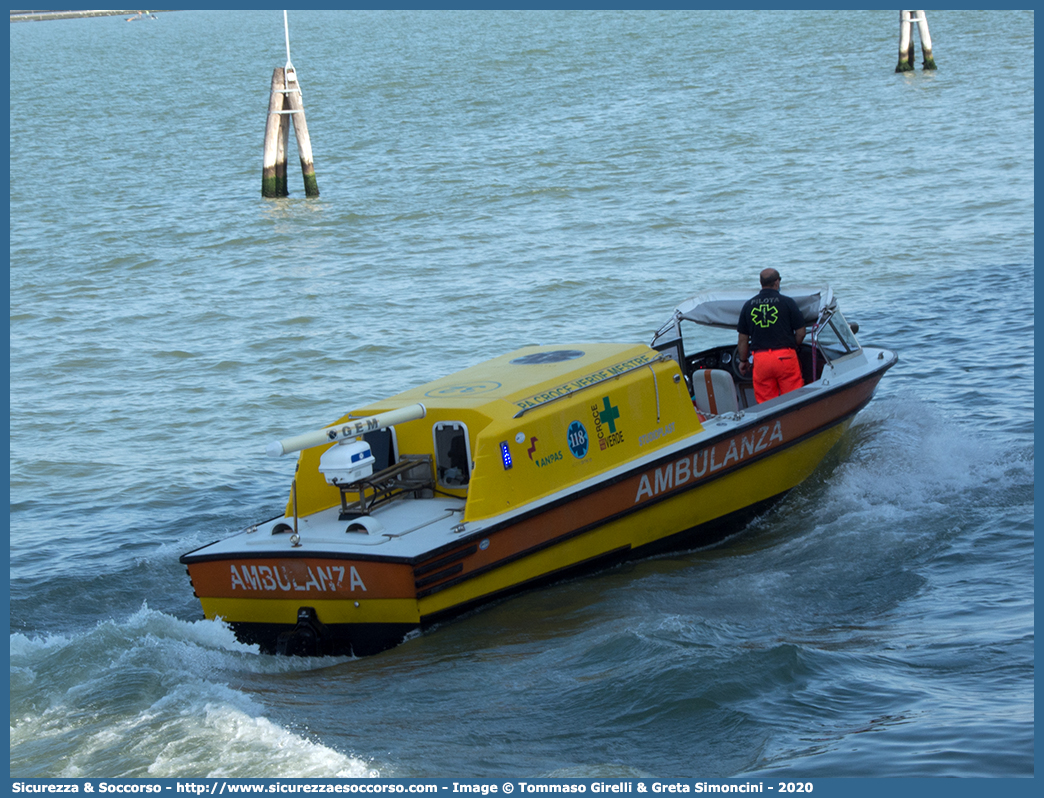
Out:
{"x": 764, "y": 315}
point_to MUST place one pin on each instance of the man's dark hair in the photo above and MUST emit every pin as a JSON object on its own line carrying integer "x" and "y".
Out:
{"x": 768, "y": 277}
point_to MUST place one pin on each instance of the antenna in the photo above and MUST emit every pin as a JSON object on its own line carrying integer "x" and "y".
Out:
{"x": 291, "y": 74}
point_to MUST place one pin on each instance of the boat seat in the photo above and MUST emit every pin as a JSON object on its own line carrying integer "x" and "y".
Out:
{"x": 714, "y": 392}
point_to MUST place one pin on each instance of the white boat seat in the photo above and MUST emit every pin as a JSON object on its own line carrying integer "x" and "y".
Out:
{"x": 714, "y": 392}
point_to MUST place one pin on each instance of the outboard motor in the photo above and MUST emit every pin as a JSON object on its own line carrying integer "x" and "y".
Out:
{"x": 307, "y": 639}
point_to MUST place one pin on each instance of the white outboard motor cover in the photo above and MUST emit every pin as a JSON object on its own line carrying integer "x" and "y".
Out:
{"x": 347, "y": 461}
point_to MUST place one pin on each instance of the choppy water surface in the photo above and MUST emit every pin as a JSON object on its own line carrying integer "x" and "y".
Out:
{"x": 492, "y": 179}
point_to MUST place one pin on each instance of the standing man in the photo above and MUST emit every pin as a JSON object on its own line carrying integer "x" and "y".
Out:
{"x": 772, "y": 326}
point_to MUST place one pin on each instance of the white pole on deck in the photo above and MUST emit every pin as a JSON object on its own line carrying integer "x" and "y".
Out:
{"x": 350, "y": 429}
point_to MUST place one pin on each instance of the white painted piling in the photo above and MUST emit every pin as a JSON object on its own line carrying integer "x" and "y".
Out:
{"x": 304, "y": 143}
{"x": 906, "y": 54}
{"x": 906, "y": 45}
{"x": 926, "y": 41}
{"x": 277, "y": 131}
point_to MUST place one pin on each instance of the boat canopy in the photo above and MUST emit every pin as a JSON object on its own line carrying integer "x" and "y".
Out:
{"x": 722, "y": 308}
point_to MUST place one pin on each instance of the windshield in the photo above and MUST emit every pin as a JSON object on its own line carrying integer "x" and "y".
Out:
{"x": 698, "y": 337}
{"x": 835, "y": 337}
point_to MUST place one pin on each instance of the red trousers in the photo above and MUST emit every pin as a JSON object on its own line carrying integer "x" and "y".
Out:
{"x": 776, "y": 371}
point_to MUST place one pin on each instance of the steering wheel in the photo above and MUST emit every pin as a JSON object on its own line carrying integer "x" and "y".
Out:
{"x": 734, "y": 366}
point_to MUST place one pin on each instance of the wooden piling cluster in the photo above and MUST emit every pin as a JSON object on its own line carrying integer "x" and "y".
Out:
{"x": 284, "y": 104}
{"x": 906, "y": 46}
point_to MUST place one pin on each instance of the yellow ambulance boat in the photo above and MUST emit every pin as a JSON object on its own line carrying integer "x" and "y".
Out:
{"x": 540, "y": 463}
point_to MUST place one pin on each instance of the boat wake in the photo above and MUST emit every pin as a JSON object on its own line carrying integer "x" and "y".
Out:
{"x": 154, "y": 696}
{"x": 908, "y": 459}
{"x": 903, "y": 462}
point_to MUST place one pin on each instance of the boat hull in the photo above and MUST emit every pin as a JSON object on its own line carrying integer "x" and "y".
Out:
{"x": 329, "y": 603}
{"x": 305, "y": 637}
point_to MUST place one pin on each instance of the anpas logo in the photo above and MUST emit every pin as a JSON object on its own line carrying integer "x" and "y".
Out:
{"x": 554, "y": 457}
{"x": 576, "y": 435}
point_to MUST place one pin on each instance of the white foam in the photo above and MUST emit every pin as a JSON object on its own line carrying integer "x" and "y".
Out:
{"x": 909, "y": 459}
{"x": 151, "y": 695}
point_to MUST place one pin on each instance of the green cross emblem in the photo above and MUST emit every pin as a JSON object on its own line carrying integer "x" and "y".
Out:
{"x": 764, "y": 315}
{"x": 609, "y": 415}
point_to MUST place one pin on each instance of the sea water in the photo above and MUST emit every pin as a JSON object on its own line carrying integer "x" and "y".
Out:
{"x": 491, "y": 179}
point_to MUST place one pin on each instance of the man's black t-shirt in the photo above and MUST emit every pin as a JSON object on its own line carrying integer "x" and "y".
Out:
{"x": 770, "y": 320}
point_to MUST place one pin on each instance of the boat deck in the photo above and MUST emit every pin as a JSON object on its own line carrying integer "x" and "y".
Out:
{"x": 406, "y": 529}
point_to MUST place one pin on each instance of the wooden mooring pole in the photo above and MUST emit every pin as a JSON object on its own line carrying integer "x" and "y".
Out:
{"x": 905, "y": 43}
{"x": 285, "y": 100}
{"x": 906, "y": 46}
{"x": 277, "y": 134}
{"x": 304, "y": 143}
{"x": 926, "y": 41}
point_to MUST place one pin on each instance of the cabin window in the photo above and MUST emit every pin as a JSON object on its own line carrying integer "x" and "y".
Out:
{"x": 383, "y": 447}
{"x": 452, "y": 454}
